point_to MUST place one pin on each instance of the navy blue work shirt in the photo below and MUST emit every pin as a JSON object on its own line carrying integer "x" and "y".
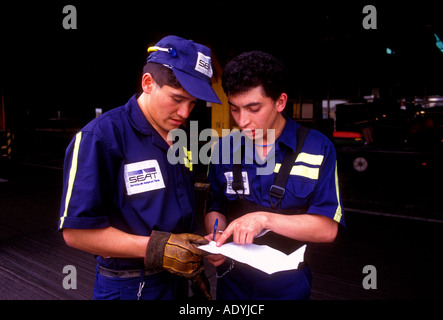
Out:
{"x": 312, "y": 183}
{"x": 116, "y": 173}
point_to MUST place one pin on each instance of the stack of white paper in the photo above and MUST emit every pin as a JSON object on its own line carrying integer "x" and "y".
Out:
{"x": 264, "y": 258}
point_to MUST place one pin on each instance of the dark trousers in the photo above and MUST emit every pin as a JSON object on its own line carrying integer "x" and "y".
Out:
{"x": 160, "y": 286}
{"x": 243, "y": 282}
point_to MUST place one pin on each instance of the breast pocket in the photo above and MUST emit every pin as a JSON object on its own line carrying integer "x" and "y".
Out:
{"x": 297, "y": 193}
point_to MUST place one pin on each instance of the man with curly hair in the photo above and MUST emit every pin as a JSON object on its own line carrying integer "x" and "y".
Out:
{"x": 260, "y": 208}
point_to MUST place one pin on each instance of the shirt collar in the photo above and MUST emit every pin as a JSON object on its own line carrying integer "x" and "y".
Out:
{"x": 136, "y": 116}
{"x": 287, "y": 135}
{"x": 141, "y": 124}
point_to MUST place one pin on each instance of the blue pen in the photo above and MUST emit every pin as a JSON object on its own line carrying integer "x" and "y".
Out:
{"x": 215, "y": 229}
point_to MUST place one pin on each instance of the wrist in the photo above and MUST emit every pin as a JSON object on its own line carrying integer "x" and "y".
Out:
{"x": 155, "y": 251}
{"x": 266, "y": 218}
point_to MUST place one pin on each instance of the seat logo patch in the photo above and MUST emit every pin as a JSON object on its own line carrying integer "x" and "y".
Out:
{"x": 143, "y": 176}
{"x": 203, "y": 65}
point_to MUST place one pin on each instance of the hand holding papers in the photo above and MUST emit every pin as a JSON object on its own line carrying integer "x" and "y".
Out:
{"x": 263, "y": 258}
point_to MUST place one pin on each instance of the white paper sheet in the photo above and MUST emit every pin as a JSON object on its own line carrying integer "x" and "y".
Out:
{"x": 261, "y": 257}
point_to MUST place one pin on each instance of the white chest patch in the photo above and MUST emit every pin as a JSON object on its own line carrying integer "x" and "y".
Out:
{"x": 229, "y": 177}
{"x": 143, "y": 176}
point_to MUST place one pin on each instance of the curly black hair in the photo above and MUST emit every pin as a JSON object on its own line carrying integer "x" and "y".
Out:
{"x": 252, "y": 69}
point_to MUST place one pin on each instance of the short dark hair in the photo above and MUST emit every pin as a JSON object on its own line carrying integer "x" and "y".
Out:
{"x": 252, "y": 69}
{"x": 162, "y": 75}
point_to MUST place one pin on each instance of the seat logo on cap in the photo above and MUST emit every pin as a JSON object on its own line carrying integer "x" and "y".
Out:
{"x": 204, "y": 65}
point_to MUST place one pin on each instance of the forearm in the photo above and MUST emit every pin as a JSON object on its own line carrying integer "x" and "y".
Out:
{"x": 305, "y": 227}
{"x": 107, "y": 242}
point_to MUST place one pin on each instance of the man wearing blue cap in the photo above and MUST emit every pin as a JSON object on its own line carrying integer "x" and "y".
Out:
{"x": 122, "y": 200}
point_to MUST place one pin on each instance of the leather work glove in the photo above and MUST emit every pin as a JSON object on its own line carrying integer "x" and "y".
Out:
{"x": 176, "y": 253}
{"x": 200, "y": 287}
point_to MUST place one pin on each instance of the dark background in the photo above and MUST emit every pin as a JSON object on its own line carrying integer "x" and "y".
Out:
{"x": 392, "y": 210}
{"x": 45, "y": 68}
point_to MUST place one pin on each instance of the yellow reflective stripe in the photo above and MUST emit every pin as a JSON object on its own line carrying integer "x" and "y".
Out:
{"x": 188, "y": 158}
{"x": 300, "y": 170}
{"x": 188, "y": 164}
{"x": 72, "y": 174}
{"x": 304, "y": 171}
{"x": 312, "y": 159}
{"x": 338, "y": 212}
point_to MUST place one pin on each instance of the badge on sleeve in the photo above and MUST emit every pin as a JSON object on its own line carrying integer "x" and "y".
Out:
{"x": 143, "y": 176}
{"x": 229, "y": 177}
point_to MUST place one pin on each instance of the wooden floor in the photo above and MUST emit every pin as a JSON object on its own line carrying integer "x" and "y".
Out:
{"x": 406, "y": 253}
{"x": 31, "y": 268}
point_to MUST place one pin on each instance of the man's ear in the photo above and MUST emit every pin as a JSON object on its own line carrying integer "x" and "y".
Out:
{"x": 148, "y": 83}
{"x": 280, "y": 103}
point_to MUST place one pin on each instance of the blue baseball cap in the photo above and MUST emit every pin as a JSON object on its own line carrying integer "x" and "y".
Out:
{"x": 190, "y": 62}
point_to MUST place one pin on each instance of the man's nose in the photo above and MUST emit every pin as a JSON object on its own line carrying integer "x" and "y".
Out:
{"x": 244, "y": 119}
{"x": 185, "y": 109}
